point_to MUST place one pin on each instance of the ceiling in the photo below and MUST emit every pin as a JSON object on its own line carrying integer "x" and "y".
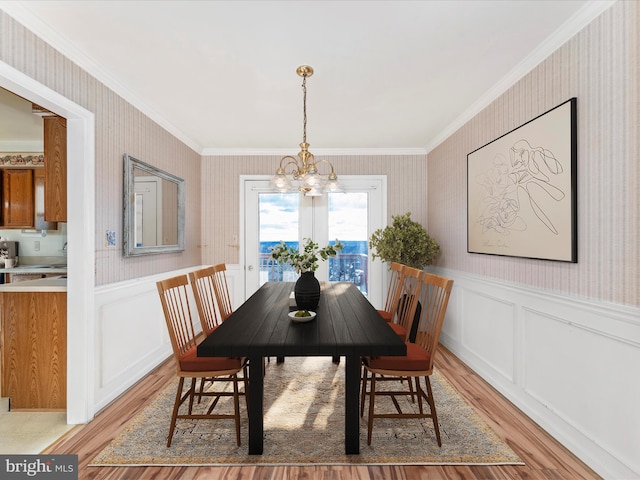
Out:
{"x": 389, "y": 75}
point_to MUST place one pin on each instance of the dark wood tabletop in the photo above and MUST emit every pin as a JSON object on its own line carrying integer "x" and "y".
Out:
{"x": 346, "y": 325}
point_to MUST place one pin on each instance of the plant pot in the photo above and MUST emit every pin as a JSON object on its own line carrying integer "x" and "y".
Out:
{"x": 307, "y": 291}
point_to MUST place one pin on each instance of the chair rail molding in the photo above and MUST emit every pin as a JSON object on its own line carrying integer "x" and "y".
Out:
{"x": 559, "y": 359}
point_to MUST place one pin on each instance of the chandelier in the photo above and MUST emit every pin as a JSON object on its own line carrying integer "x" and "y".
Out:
{"x": 302, "y": 173}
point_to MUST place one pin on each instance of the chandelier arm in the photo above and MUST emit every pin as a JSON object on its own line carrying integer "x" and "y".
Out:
{"x": 295, "y": 172}
{"x": 327, "y": 162}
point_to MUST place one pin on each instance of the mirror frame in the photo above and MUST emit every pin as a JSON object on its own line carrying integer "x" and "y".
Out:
{"x": 129, "y": 248}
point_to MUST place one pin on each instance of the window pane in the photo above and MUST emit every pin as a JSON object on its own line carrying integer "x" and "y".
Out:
{"x": 348, "y": 214}
{"x": 278, "y": 221}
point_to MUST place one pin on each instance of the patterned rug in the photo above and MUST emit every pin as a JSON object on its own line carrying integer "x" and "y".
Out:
{"x": 304, "y": 425}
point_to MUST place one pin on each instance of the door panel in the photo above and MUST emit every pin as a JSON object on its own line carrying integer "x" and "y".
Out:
{"x": 351, "y": 217}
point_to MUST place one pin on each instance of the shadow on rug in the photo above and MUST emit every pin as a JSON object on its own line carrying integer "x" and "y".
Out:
{"x": 304, "y": 425}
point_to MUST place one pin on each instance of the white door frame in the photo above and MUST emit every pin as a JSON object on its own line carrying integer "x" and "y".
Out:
{"x": 80, "y": 236}
{"x": 376, "y": 268}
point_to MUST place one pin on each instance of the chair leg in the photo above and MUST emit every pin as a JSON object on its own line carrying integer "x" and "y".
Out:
{"x": 192, "y": 391}
{"x": 410, "y": 381}
{"x": 201, "y": 389}
{"x": 432, "y": 405}
{"x": 420, "y": 393}
{"x": 245, "y": 375}
{"x": 176, "y": 406}
{"x": 236, "y": 408}
{"x": 372, "y": 396}
{"x": 363, "y": 390}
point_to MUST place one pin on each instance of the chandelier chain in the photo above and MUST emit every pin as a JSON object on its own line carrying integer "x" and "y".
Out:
{"x": 304, "y": 108}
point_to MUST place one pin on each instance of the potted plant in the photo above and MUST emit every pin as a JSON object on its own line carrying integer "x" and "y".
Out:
{"x": 305, "y": 262}
{"x": 404, "y": 241}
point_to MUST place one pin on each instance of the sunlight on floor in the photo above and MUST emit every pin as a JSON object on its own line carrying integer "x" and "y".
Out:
{"x": 298, "y": 406}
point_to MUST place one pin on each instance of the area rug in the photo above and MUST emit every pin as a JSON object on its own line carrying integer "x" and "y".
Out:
{"x": 304, "y": 425}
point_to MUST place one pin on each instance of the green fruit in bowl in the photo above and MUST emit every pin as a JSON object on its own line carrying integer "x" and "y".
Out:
{"x": 302, "y": 313}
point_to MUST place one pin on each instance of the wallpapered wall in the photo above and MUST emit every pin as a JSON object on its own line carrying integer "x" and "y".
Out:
{"x": 601, "y": 67}
{"x": 120, "y": 128}
{"x": 406, "y": 180}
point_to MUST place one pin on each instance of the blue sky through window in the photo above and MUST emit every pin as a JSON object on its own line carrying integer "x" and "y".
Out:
{"x": 279, "y": 216}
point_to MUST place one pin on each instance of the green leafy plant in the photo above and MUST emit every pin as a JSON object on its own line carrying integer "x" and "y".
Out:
{"x": 404, "y": 241}
{"x": 305, "y": 260}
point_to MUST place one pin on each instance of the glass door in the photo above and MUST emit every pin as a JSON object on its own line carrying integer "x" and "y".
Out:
{"x": 350, "y": 217}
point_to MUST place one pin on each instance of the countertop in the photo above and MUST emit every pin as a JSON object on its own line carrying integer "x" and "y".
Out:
{"x": 50, "y": 284}
{"x": 35, "y": 269}
{"x": 56, "y": 283}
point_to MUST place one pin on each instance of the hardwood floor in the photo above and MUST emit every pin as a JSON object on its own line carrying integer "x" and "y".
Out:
{"x": 544, "y": 457}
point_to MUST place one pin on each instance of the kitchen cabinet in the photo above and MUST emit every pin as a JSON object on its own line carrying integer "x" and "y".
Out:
{"x": 18, "y": 209}
{"x": 23, "y": 199}
{"x": 40, "y": 222}
{"x": 55, "y": 165}
{"x": 34, "y": 349}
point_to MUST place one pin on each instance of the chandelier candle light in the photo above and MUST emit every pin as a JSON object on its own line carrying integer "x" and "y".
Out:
{"x": 302, "y": 173}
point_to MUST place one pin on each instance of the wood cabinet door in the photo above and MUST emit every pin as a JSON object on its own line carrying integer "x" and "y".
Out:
{"x": 55, "y": 165}
{"x": 17, "y": 198}
{"x": 40, "y": 222}
{"x": 34, "y": 329}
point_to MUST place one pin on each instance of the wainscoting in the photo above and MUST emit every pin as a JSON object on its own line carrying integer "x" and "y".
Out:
{"x": 131, "y": 335}
{"x": 569, "y": 363}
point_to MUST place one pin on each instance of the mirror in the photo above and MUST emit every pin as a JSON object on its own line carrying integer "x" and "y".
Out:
{"x": 154, "y": 202}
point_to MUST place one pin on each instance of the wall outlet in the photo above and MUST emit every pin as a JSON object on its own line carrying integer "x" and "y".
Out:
{"x": 111, "y": 238}
{"x": 36, "y": 245}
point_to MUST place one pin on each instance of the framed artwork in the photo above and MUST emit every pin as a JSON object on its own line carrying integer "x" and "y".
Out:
{"x": 521, "y": 190}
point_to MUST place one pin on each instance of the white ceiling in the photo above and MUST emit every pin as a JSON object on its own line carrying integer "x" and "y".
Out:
{"x": 390, "y": 75}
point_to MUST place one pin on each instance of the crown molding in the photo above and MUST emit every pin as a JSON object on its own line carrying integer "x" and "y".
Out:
{"x": 592, "y": 9}
{"x": 562, "y": 35}
{"x": 318, "y": 152}
{"x": 20, "y": 12}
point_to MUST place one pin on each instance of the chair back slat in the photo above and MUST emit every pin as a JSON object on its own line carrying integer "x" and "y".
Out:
{"x": 434, "y": 298}
{"x": 221, "y": 290}
{"x": 407, "y": 301}
{"x": 175, "y": 305}
{"x": 395, "y": 287}
{"x": 202, "y": 284}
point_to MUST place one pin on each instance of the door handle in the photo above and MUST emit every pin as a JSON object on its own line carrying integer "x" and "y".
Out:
{"x": 250, "y": 268}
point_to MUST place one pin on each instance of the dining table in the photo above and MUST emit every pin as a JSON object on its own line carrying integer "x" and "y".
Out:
{"x": 346, "y": 325}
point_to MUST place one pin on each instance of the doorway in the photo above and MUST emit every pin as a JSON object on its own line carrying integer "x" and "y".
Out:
{"x": 351, "y": 217}
{"x": 80, "y": 235}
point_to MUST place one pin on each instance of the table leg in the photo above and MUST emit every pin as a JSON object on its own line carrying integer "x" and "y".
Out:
{"x": 351, "y": 405}
{"x": 256, "y": 397}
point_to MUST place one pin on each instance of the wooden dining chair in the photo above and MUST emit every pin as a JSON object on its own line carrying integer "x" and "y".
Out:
{"x": 393, "y": 292}
{"x": 407, "y": 302}
{"x": 202, "y": 282}
{"x": 221, "y": 290}
{"x": 177, "y": 313}
{"x": 418, "y": 362}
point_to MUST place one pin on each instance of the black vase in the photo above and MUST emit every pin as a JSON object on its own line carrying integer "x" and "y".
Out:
{"x": 307, "y": 291}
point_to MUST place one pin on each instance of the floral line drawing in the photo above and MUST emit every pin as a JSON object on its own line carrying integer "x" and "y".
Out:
{"x": 529, "y": 171}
